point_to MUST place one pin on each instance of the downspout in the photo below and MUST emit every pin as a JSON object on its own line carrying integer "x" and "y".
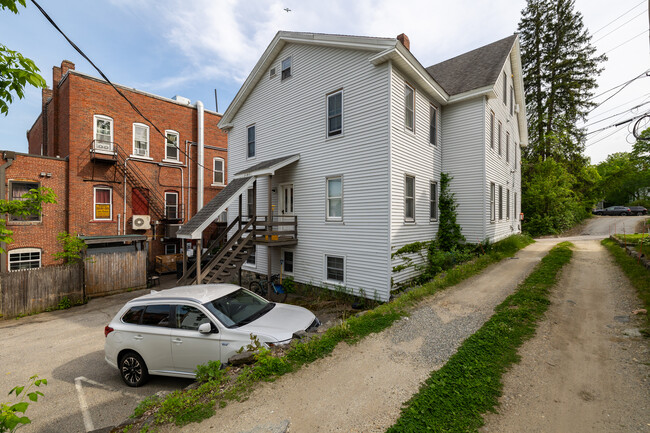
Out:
{"x": 10, "y": 157}
{"x": 200, "y": 156}
{"x": 189, "y": 178}
{"x": 124, "y": 206}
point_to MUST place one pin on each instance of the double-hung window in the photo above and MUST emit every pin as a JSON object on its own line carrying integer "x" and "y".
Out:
{"x": 499, "y": 138}
{"x": 286, "y": 68}
{"x": 171, "y": 205}
{"x": 507, "y": 147}
{"x": 217, "y": 171}
{"x": 103, "y": 203}
{"x": 433, "y": 203}
{"x": 433, "y": 126}
{"x": 409, "y": 198}
{"x": 251, "y": 141}
{"x": 287, "y": 259}
{"x": 492, "y": 201}
{"x": 512, "y": 101}
{"x": 500, "y": 202}
{"x": 335, "y": 113}
{"x": 103, "y": 133}
{"x": 171, "y": 146}
{"x": 508, "y": 204}
{"x": 335, "y": 198}
{"x": 505, "y": 88}
{"x": 335, "y": 269}
{"x": 140, "y": 140}
{"x": 17, "y": 189}
{"x": 409, "y": 107}
{"x": 492, "y": 129}
{"x": 250, "y": 202}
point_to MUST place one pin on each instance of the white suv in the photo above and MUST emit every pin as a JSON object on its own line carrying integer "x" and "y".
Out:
{"x": 172, "y": 331}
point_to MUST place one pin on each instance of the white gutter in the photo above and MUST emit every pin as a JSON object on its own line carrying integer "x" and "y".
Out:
{"x": 200, "y": 154}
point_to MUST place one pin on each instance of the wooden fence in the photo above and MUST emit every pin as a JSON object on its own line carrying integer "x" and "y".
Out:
{"x": 115, "y": 272}
{"x": 34, "y": 290}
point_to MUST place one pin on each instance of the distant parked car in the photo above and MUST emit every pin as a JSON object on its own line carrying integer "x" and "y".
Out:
{"x": 613, "y": 210}
{"x": 638, "y": 210}
{"x": 170, "y": 332}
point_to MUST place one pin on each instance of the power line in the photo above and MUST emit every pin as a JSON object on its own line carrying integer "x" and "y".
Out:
{"x": 616, "y": 19}
{"x": 607, "y": 34}
{"x": 615, "y": 115}
{"x": 133, "y": 106}
{"x": 629, "y": 40}
{"x": 616, "y": 87}
{"x": 618, "y": 124}
{"x": 617, "y": 92}
{"x": 646, "y": 96}
{"x": 603, "y": 138}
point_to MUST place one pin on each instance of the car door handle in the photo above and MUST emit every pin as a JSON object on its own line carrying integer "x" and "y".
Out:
{"x": 138, "y": 337}
{"x": 177, "y": 340}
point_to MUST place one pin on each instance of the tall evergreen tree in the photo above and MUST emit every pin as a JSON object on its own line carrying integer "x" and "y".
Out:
{"x": 560, "y": 69}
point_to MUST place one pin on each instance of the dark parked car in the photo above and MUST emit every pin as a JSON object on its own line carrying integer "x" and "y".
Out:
{"x": 613, "y": 210}
{"x": 638, "y": 210}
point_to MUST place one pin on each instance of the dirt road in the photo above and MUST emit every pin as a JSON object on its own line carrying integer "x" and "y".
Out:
{"x": 585, "y": 370}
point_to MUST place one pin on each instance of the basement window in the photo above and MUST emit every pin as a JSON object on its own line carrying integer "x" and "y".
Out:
{"x": 24, "y": 258}
{"x": 335, "y": 269}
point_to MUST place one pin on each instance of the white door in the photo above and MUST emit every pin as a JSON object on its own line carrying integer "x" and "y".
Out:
{"x": 286, "y": 200}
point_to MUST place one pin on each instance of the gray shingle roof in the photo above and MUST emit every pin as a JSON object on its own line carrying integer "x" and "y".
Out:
{"x": 211, "y": 211}
{"x": 275, "y": 164}
{"x": 473, "y": 70}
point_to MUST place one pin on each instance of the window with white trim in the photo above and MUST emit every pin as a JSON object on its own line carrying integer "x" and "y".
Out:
{"x": 103, "y": 203}
{"x": 499, "y": 138}
{"x": 171, "y": 146}
{"x": 171, "y": 205}
{"x": 433, "y": 126}
{"x": 24, "y": 258}
{"x": 170, "y": 248}
{"x": 505, "y": 88}
{"x": 514, "y": 214}
{"x": 250, "y": 202}
{"x": 217, "y": 171}
{"x": 251, "y": 259}
{"x": 250, "y": 140}
{"x": 512, "y": 101}
{"x": 433, "y": 201}
{"x": 492, "y": 201}
{"x": 409, "y": 107}
{"x": 335, "y": 269}
{"x": 17, "y": 189}
{"x": 507, "y": 147}
{"x": 286, "y": 68}
{"x": 334, "y": 198}
{"x": 140, "y": 140}
{"x": 335, "y": 113}
{"x": 508, "y": 204}
{"x": 500, "y": 202}
{"x": 492, "y": 129}
{"x": 409, "y": 198}
{"x": 103, "y": 133}
{"x": 287, "y": 259}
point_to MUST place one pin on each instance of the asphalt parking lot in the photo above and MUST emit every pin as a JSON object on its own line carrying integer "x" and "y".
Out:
{"x": 67, "y": 348}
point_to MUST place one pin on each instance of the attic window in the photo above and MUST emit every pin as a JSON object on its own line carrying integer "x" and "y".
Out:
{"x": 286, "y": 68}
{"x": 272, "y": 73}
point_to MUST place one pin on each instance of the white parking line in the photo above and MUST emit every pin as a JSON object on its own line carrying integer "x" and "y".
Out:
{"x": 88, "y": 422}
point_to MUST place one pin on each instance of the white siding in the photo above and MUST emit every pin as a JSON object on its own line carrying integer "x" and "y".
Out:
{"x": 463, "y": 137}
{"x": 290, "y": 117}
{"x": 413, "y": 155}
{"x": 498, "y": 169}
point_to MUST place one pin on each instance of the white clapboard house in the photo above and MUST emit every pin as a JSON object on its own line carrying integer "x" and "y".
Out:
{"x": 335, "y": 149}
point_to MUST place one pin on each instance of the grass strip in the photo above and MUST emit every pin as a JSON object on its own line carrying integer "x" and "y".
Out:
{"x": 180, "y": 407}
{"x": 454, "y": 398}
{"x": 638, "y": 275}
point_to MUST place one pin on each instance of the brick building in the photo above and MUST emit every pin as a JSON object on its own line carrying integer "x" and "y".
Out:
{"x": 115, "y": 174}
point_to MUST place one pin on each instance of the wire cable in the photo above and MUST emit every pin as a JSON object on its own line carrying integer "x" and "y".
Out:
{"x": 618, "y": 18}
{"x": 622, "y": 84}
{"x": 617, "y": 92}
{"x": 607, "y": 34}
{"x": 133, "y": 106}
{"x": 629, "y": 40}
{"x": 587, "y": 125}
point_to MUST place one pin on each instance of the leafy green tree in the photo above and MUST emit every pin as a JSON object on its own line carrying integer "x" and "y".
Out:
{"x": 641, "y": 149}
{"x": 625, "y": 179}
{"x": 449, "y": 234}
{"x": 31, "y": 203}
{"x": 560, "y": 69}
{"x": 72, "y": 246}
{"x": 16, "y": 71}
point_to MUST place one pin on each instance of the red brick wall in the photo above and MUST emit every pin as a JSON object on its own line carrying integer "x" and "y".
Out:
{"x": 69, "y": 132}
{"x": 40, "y": 234}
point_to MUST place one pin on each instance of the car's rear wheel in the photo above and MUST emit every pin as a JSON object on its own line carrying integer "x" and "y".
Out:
{"x": 639, "y": 213}
{"x": 133, "y": 369}
{"x": 623, "y": 213}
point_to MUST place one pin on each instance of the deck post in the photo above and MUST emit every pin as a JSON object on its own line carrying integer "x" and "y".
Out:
{"x": 269, "y": 221}
{"x": 199, "y": 247}
{"x": 184, "y": 245}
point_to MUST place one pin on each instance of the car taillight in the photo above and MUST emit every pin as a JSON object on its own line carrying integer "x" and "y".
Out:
{"x": 107, "y": 330}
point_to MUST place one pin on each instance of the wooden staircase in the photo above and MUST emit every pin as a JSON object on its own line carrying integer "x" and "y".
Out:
{"x": 229, "y": 258}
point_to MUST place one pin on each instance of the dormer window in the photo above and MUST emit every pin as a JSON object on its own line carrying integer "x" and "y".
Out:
{"x": 286, "y": 68}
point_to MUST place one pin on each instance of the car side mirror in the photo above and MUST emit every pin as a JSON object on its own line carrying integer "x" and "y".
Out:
{"x": 205, "y": 328}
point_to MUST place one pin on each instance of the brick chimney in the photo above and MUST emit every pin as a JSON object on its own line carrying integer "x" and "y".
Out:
{"x": 46, "y": 94}
{"x": 404, "y": 40}
{"x": 58, "y": 72}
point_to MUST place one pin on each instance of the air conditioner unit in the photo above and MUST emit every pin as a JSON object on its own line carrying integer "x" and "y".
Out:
{"x": 141, "y": 222}
{"x": 516, "y": 108}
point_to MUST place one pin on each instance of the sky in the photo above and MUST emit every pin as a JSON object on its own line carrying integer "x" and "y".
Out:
{"x": 192, "y": 47}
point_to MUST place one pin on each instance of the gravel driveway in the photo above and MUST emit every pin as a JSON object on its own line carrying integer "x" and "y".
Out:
{"x": 361, "y": 388}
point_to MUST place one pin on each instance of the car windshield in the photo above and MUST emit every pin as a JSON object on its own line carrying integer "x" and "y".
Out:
{"x": 239, "y": 308}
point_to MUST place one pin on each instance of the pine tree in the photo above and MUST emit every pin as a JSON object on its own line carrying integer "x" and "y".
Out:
{"x": 449, "y": 233}
{"x": 560, "y": 69}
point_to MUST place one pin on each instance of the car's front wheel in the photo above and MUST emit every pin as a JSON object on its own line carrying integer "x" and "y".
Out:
{"x": 133, "y": 369}
{"x": 623, "y": 213}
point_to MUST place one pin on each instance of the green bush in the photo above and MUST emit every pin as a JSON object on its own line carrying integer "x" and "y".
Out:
{"x": 9, "y": 420}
